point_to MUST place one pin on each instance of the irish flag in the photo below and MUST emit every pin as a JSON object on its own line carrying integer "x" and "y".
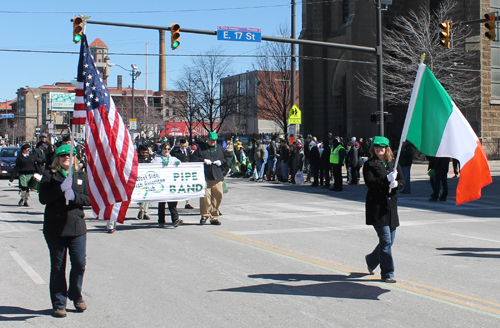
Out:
{"x": 436, "y": 127}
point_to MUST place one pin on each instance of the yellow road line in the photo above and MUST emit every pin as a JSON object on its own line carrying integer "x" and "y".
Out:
{"x": 466, "y": 302}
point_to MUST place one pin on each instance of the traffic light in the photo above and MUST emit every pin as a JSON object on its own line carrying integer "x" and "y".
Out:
{"x": 491, "y": 26}
{"x": 445, "y": 35}
{"x": 77, "y": 29}
{"x": 175, "y": 35}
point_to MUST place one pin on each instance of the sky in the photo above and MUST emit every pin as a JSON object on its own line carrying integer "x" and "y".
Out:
{"x": 45, "y": 26}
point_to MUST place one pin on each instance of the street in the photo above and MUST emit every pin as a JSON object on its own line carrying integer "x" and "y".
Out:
{"x": 285, "y": 256}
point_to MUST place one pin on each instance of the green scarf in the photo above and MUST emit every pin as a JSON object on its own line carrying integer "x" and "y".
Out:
{"x": 64, "y": 172}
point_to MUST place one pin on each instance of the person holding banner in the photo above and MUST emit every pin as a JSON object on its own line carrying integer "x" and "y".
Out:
{"x": 182, "y": 152}
{"x": 167, "y": 160}
{"x": 216, "y": 160}
{"x": 382, "y": 181}
{"x": 64, "y": 196}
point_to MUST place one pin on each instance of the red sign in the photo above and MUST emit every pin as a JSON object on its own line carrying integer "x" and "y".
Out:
{"x": 179, "y": 129}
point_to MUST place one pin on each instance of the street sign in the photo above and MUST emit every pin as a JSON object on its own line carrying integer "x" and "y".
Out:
{"x": 7, "y": 115}
{"x": 231, "y": 33}
{"x": 294, "y": 115}
{"x": 132, "y": 124}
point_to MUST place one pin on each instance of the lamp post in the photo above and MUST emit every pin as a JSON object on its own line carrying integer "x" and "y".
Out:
{"x": 135, "y": 74}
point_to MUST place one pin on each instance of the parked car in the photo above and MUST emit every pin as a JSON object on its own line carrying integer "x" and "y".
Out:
{"x": 8, "y": 157}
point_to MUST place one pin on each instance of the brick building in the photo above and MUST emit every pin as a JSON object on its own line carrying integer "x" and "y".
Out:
{"x": 261, "y": 97}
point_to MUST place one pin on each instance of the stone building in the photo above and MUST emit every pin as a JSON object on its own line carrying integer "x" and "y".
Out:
{"x": 329, "y": 91}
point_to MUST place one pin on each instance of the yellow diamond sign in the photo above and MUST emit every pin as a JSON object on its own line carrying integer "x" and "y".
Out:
{"x": 294, "y": 115}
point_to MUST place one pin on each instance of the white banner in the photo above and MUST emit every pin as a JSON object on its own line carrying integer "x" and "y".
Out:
{"x": 156, "y": 183}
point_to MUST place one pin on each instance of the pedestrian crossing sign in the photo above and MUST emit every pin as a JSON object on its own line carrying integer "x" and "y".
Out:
{"x": 294, "y": 115}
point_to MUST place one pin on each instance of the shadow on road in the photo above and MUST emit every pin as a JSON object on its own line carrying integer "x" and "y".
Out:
{"x": 471, "y": 252}
{"x": 337, "y": 286}
{"x": 25, "y": 313}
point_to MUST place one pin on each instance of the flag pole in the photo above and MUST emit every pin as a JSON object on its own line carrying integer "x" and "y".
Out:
{"x": 406, "y": 126}
{"x": 72, "y": 130}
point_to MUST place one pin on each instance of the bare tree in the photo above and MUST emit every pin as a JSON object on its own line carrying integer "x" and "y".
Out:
{"x": 274, "y": 81}
{"x": 209, "y": 104}
{"x": 417, "y": 34}
{"x": 187, "y": 109}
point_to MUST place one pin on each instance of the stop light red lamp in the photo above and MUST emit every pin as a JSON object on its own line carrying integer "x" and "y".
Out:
{"x": 491, "y": 26}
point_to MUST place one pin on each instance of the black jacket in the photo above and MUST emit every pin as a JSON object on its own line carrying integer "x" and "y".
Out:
{"x": 25, "y": 165}
{"x": 213, "y": 172}
{"x": 284, "y": 153}
{"x": 61, "y": 219}
{"x": 353, "y": 159}
{"x": 177, "y": 152}
{"x": 381, "y": 206}
{"x": 314, "y": 157}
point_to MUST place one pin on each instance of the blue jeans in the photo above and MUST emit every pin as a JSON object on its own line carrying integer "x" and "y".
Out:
{"x": 406, "y": 173}
{"x": 260, "y": 168}
{"x": 284, "y": 170}
{"x": 271, "y": 165}
{"x": 58, "y": 248}
{"x": 382, "y": 254}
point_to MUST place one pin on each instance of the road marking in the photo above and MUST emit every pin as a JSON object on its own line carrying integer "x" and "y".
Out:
{"x": 495, "y": 241}
{"x": 26, "y": 267}
{"x": 456, "y": 299}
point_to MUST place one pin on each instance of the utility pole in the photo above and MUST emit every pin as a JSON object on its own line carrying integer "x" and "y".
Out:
{"x": 380, "y": 77}
{"x": 293, "y": 63}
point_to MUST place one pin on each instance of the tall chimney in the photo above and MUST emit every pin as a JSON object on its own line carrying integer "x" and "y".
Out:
{"x": 162, "y": 85}
{"x": 119, "y": 82}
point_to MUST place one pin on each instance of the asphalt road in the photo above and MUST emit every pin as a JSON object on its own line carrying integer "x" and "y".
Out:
{"x": 284, "y": 256}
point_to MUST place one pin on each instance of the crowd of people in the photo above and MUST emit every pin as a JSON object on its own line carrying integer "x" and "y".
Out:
{"x": 64, "y": 191}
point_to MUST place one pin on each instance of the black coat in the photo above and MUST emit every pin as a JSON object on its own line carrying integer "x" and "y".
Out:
{"x": 213, "y": 172}
{"x": 314, "y": 157}
{"x": 61, "y": 219}
{"x": 177, "y": 153}
{"x": 381, "y": 206}
{"x": 25, "y": 165}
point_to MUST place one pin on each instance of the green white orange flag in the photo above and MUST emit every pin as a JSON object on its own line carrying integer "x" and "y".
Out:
{"x": 436, "y": 127}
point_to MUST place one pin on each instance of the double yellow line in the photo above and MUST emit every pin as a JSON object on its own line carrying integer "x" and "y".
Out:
{"x": 459, "y": 300}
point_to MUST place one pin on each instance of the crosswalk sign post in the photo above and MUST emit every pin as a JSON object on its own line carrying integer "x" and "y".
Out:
{"x": 294, "y": 115}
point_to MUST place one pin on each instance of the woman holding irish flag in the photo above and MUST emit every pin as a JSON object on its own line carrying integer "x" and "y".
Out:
{"x": 382, "y": 181}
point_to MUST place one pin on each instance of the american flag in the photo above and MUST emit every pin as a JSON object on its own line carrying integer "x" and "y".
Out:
{"x": 112, "y": 160}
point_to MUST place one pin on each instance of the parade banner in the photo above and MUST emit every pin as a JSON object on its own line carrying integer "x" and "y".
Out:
{"x": 156, "y": 183}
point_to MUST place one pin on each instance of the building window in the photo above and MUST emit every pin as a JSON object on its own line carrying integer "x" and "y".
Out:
{"x": 166, "y": 112}
{"x": 166, "y": 101}
{"x": 173, "y": 100}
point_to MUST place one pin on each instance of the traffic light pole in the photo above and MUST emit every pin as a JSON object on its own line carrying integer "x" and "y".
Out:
{"x": 380, "y": 76}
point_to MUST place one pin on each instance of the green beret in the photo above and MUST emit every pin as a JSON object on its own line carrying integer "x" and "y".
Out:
{"x": 212, "y": 136}
{"x": 380, "y": 141}
{"x": 64, "y": 150}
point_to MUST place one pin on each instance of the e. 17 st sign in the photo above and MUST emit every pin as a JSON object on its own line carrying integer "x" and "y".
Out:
{"x": 230, "y": 33}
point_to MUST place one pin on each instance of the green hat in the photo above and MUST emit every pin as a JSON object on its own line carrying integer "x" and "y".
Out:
{"x": 64, "y": 150}
{"x": 380, "y": 141}
{"x": 212, "y": 136}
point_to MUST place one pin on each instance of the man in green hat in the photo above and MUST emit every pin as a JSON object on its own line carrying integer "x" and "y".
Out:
{"x": 216, "y": 162}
